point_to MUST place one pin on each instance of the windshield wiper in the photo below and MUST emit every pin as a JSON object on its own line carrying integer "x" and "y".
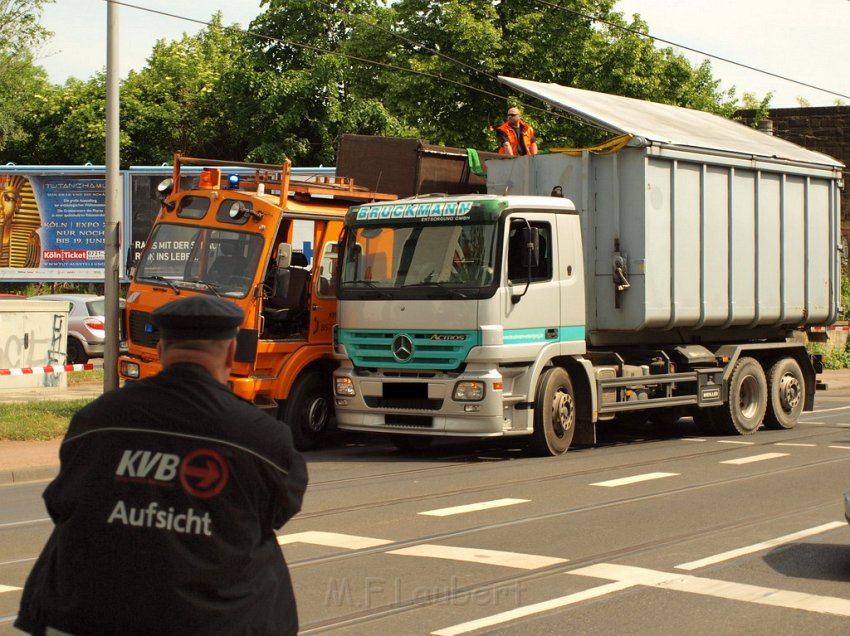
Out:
{"x": 165, "y": 280}
{"x": 211, "y": 286}
{"x": 368, "y": 283}
{"x": 443, "y": 285}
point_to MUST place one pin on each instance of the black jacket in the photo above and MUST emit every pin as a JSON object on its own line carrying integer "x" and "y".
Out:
{"x": 165, "y": 507}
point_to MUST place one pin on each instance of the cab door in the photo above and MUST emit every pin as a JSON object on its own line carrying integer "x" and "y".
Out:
{"x": 324, "y": 283}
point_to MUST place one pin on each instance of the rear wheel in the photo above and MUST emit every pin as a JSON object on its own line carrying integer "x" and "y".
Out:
{"x": 786, "y": 389}
{"x": 309, "y": 410}
{"x": 76, "y": 352}
{"x": 554, "y": 413}
{"x": 744, "y": 412}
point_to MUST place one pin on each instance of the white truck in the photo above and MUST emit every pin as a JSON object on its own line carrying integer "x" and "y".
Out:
{"x": 657, "y": 281}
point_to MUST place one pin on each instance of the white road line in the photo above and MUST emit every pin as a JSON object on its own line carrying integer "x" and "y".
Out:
{"x": 528, "y": 610}
{"x": 734, "y": 441}
{"x": 694, "y": 439}
{"x": 754, "y": 458}
{"x": 718, "y": 589}
{"x": 484, "y": 505}
{"x": 756, "y": 547}
{"x": 475, "y": 555}
{"x": 792, "y": 444}
{"x": 837, "y": 408}
{"x": 624, "y": 481}
{"x": 9, "y": 588}
{"x": 332, "y": 539}
{"x": 839, "y": 447}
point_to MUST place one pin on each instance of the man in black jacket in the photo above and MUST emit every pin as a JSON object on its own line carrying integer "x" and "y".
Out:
{"x": 168, "y": 496}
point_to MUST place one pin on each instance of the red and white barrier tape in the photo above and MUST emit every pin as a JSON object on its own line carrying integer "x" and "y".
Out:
{"x": 820, "y": 328}
{"x": 60, "y": 368}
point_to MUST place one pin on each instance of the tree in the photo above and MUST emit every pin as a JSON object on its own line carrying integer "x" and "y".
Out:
{"x": 462, "y": 44}
{"x": 19, "y": 77}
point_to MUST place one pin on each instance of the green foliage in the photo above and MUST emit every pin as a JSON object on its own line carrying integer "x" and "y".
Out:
{"x": 20, "y": 78}
{"x": 313, "y": 70}
{"x": 37, "y": 420}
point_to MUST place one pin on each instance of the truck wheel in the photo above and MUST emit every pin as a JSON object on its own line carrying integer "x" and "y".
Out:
{"x": 554, "y": 414}
{"x": 786, "y": 389}
{"x": 744, "y": 412}
{"x": 308, "y": 411}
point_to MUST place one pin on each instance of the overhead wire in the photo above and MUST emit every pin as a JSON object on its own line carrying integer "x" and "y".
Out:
{"x": 691, "y": 49}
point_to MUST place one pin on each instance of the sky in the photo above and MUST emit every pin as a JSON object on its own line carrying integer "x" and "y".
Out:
{"x": 804, "y": 41}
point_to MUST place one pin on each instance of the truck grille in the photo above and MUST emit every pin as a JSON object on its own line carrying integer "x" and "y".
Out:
{"x": 142, "y": 331}
{"x": 430, "y": 350}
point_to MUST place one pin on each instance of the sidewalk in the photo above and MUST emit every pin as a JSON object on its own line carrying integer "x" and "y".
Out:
{"x": 30, "y": 461}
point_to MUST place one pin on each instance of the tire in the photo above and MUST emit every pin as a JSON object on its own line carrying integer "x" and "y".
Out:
{"x": 744, "y": 412}
{"x": 554, "y": 414}
{"x": 309, "y": 411}
{"x": 786, "y": 394}
{"x": 76, "y": 352}
{"x": 411, "y": 443}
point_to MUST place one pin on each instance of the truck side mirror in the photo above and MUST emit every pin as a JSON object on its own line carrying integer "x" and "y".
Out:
{"x": 531, "y": 239}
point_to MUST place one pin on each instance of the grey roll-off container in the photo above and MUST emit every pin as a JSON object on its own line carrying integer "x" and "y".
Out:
{"x": 700, "y": 229}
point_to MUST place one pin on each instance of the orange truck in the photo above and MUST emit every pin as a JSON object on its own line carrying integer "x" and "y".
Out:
{"x": 235, "y": 236}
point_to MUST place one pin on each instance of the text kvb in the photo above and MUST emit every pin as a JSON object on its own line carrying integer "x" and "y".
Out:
{"x": 146, "y": 464}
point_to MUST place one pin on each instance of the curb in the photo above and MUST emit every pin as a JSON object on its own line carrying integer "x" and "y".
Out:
{"x": 31, "y": 473}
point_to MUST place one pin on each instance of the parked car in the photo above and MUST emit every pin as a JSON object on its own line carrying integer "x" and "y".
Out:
{"x": 5, "y": 296}
{"x": 86, "y": 324}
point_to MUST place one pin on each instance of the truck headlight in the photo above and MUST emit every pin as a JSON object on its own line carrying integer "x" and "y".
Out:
{"x": 129, "y": 369}
{"x": 344, "y": 386}
{"x": 469, "y": 391}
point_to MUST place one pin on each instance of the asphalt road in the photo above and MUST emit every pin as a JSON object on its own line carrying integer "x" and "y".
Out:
{"x": 650, "y": 532}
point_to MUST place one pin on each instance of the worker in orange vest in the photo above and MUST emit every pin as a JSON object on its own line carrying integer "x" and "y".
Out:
{"x": 516, "y": 137}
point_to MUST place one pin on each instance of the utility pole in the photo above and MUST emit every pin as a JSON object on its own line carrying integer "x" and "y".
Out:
{"x": 111, "y": 289}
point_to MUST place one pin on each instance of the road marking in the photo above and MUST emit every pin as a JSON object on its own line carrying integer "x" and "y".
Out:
{"x": 624, "y": 481}
{"x": 529, "y": 610}
{"x": 754, "y": 458}
{"x": 837, "y": 408}
{"x": 791, "y": 444}
{"x": 475, "y": 555}
{"x": 734, "y": 441}
{"x": 9, "y": 588}
{"x": 484, "y": 505}
{"x": 718, "y": 589}
{"x": 731, "y": 554}
{"x": 331, "y": 539}
{"x": 694, "y": 439}
{"x": 840, "y": 447}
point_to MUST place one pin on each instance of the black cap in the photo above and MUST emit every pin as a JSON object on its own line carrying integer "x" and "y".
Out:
{"x": 198, "y": 318}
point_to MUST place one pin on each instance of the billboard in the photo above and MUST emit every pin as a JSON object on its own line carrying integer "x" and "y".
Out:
{"x": 52, "y": 219}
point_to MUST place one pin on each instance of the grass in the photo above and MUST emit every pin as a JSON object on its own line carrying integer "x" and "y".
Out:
{"x": 47, "y": 419}
{"x": 28, "y": 421}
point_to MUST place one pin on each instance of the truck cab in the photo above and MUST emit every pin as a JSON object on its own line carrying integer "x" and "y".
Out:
{"x": 268, "y": 243}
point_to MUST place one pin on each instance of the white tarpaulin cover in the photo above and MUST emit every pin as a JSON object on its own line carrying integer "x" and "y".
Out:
{"x": 665, "y": 124}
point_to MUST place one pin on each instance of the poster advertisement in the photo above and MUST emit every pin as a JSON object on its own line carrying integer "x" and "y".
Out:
{"x": 52, "y": 227}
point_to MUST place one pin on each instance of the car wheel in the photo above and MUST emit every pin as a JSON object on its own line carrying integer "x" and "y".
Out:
{"x": 76, "y": 352}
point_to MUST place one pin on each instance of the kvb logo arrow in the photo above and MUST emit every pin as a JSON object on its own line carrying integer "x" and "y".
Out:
{"x": 203, "y": 473}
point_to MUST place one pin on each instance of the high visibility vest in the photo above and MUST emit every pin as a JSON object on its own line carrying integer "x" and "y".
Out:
{"x": 527, "y": 137}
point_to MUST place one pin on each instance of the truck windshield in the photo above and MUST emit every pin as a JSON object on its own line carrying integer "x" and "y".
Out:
{"x": 222, "y": 262}
{"x": 430, "y": 260}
